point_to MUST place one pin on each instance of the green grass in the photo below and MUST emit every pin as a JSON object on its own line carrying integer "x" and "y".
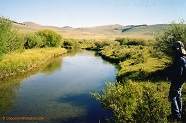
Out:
{"x": 22, "y": 61}
{"x": 146, "y": 70}
{"x": 136, "y": 62}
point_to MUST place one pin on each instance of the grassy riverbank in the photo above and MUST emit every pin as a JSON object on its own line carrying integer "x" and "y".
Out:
{"x": 141, "y": 93}
{"x": 25, "y": 60}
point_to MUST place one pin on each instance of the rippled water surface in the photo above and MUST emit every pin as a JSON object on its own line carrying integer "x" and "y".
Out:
{"x": 61, "y": 91}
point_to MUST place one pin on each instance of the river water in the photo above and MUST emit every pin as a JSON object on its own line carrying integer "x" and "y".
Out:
{"x": 60, "y": 92}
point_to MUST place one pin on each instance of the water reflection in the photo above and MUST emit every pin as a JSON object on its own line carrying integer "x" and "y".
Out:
{"x": 60, "y": 92}
{"x": 52, "y": 67}
{"x": 7, "y": 96}
{"x": 9, "y": 86}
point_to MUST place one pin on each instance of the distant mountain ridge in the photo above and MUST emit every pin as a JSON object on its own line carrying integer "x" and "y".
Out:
{"x": 98, "y": 32}
{"x": 67, "y": 27}
{"x": 29, "y": 23}
{"x": 114, "y": 26}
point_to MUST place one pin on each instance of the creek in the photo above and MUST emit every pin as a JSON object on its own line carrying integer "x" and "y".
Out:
{"x": 60, "y": 92}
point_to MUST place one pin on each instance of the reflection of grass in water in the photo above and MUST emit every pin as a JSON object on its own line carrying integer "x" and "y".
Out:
{"x": 51, "y": 110}
{"x": 53, "y": 66}
{"x": 10, "y": 85}
{"x": 7, "y": 96}
{"x": 8, "y": 89}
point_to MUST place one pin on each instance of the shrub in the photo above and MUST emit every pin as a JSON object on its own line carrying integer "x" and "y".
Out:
{"x": 70, "y": 43}
{"x": 135, "y": 102}
{"x": 168, "y": 36}
{"x": 101, "y": 44}
{"x": 32, "y": 41}
{"x": 5, "y": 27}
{"x": 86, "y": 44}
{"x": 50, "y": 38}
{"x": 130, "y": 41}
{"x": 122, "y": 41}
{"x": 10, "y": 39}
{"x": 15, "y": 42}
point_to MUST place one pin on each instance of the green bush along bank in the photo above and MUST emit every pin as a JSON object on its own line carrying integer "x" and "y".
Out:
{"x": 11, "y": 40}
{"x": 133, "y": 102}
{"x": 49, "y": 38}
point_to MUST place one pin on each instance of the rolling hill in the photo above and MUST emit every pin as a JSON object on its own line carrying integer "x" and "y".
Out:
{"x": 98, "y": 32}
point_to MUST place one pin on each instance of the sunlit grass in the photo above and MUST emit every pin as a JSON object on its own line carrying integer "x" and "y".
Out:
{"x": 151, "y": 65}
{"x": 21, "y": 61}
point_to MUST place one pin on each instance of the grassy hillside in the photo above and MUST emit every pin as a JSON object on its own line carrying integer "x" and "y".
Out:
{"x": 99, "y": 32}
{"x": 148, "y": 31}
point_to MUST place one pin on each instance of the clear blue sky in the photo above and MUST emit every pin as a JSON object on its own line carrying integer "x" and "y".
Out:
{"x": 88, "y": 13}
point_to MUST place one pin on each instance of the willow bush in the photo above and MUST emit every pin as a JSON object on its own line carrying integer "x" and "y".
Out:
{"x": 50, "y": 38}
{"x": 132, "y": 41}
{"x": 165, "y": 38}
{"x": 32, "y": 41}
{"x": 10, "y": 39}
{"x": 70, "y": 43}
{"x": 135, "y": 102}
